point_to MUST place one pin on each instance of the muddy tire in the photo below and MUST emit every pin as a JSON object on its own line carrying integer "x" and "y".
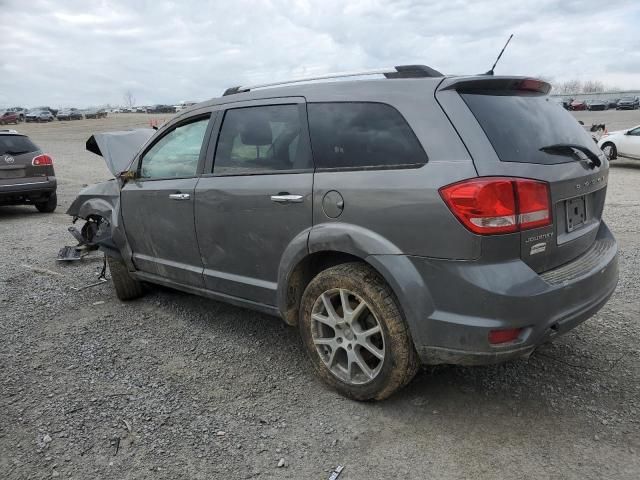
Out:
{"x": 354, "y": 333}
{"x": 127, "y": 287}
{"x": 49, "y": 206}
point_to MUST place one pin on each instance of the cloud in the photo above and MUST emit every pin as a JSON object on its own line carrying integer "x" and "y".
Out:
{"x": 78, "y": 53}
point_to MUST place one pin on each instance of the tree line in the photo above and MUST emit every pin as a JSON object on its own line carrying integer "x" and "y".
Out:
{"x": 572, "y": 87}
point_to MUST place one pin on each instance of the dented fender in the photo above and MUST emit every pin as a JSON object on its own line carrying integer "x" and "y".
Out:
{"x": 99, "y": 203}
{"x": 99, "y": 199}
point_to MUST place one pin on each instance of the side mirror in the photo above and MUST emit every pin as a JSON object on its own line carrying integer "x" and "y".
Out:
{"x": 127, "y": 175}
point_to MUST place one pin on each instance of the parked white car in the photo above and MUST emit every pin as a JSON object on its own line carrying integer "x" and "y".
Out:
{"x": 622, "y": 143}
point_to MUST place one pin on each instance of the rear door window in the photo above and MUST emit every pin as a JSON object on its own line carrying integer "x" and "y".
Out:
{"x": 262, "y": 140}
{"x": 16, "y": 145}
{"x": 518, "y": 126}
{"x": 362, "y": 135}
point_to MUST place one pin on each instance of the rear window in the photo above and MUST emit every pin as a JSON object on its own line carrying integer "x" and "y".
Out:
{"x": 518, "y": 126}
{"x": 362, "y": 135}
{"x": 16, "y": 145}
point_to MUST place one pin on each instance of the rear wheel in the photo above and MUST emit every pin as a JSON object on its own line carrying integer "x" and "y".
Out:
{"x": 610, "y": 150}
{"x": 48, "y": 206}
{"x": 354, "y": 333}
{"x": 127, "y": 287}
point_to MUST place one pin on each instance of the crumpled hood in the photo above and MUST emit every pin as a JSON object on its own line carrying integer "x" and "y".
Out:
{"x": 119, "y": 148}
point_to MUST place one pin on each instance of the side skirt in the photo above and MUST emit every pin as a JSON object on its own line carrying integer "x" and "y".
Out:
{"x": 238, "y": 302}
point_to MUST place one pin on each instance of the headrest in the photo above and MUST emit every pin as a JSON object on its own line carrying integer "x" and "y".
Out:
{"x": 256, "y": 131}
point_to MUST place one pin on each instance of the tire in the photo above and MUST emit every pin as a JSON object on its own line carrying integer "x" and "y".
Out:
{"x": 613, "y": 152}
{"x": 49, "y": 206}
{"x": 357, "y": 283}
{"x": 127, "y": 287}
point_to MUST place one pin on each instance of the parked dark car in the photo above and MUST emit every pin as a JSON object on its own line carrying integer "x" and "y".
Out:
{"x": 613, "y": 102}
{"x": 595, "y": 105}
{"x": 94, "y": 113}
{"x": 39, "y": 116}
{"x": 161, "y": 109}
{"x": 70, "y": 114}
{"x": 26, "y": 173}
{"x": 566, "y": 103}
{"x": 53, "y": 111}
{"x": 7, "y": 117}
{"x": 393, "y": 221}
{"x": 628, "y": 103}
{"x": 578, "y": 105}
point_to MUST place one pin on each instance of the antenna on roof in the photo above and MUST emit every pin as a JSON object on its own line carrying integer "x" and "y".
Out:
{"x": 490, "y": 72}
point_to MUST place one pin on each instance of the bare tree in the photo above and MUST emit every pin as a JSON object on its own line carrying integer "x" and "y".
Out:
{"x": 575, "y": 86}
{"x": 129, "y": 99}
{"x": 593, "y": 86}
{"x": 569, "y": 87}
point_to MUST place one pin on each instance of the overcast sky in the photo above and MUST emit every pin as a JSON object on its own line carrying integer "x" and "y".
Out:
{"x": 82, "y": 53}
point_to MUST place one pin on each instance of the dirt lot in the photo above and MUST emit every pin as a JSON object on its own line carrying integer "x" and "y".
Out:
{"x": 175, "y": 386}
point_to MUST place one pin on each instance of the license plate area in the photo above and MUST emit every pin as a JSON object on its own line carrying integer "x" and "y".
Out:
{"x": 12, "y": 173}
{"x": 576, "y": 211}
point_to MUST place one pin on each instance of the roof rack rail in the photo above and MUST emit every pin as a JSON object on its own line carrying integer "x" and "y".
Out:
{"x": 401, "y": 71}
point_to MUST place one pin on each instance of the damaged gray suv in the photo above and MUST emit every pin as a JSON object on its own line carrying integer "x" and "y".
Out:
{"x": 413, "y": 218}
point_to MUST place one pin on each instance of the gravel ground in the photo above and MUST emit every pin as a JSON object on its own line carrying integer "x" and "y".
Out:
{"x": 173, "y": 386}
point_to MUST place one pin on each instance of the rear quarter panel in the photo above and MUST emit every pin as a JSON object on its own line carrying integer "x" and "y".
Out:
{"x": 397, "y": 210}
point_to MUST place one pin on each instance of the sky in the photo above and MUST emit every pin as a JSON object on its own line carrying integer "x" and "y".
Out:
{"x": 64, "y": 53}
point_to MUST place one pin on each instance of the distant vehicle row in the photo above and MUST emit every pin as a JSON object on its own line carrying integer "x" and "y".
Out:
{"x": 153, "y": 109}
{"x": 45, "y": 114}
{"x": 624, "y": 103}
{"x": 48, "y": 114}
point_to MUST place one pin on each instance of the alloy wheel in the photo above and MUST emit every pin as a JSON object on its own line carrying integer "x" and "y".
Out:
{"x": 348, "y": 336}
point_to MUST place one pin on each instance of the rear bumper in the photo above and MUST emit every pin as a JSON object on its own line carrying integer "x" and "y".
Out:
{"x": 26, "y": 190}
{"x": 467, "y": 299}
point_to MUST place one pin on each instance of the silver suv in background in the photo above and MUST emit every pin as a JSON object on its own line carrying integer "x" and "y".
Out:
{"x": 416, "y": 218}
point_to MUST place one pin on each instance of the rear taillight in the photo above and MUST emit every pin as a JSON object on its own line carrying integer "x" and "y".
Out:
{"x": 491, "y": 205}
{"x": 42, "y": 160}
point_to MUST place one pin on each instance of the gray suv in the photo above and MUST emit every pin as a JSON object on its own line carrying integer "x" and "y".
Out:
{"x": 26, "y": 173}
{"x": 414, "y": 218}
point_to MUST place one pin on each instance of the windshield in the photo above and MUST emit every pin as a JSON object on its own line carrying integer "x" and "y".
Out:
{"x": 627, "y": 99}
{"x": 518, "y": 126}
{"x": 16, "y": 145}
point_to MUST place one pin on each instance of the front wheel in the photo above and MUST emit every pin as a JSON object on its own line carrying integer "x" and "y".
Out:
{"x": 127, "y": 287}
{"x": 354, "y": 333}
{"x": 610, "y": 151}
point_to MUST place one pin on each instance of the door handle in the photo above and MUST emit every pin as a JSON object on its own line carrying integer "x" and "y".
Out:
{"x": 179, "y": 196}
{"x": 287, "y": 198}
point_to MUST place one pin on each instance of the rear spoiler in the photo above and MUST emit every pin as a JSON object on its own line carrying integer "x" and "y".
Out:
{"x": 489, "y": 83}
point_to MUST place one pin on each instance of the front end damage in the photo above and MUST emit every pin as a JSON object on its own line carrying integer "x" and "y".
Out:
{"x": 99, "y": 204}
{"x": 96, "y": 204}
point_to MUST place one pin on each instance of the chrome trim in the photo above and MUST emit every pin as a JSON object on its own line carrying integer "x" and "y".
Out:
{"x": 20, "y": 184}
{"x": 287, "y": 198}
{"x": 179, "y": 196}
